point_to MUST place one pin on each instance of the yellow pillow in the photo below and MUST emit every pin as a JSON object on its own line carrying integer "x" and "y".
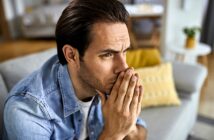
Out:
{"x": 143, "y": 57}
{"x": 158, "y": 86}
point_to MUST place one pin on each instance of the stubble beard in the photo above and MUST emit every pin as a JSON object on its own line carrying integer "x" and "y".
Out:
{"x": 89, "y": 81}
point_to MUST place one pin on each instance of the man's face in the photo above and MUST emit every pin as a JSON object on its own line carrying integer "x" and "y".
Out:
{"x": 105, "y": 57}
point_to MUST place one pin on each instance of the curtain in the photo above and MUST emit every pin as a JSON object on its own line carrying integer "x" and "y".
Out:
{"x": 207, "y": 34}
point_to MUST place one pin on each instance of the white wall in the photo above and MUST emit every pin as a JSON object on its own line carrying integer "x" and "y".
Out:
{"x": 13, "y": 9}
{"x": 179, "y": 14}
{"x": 8, "y": 9}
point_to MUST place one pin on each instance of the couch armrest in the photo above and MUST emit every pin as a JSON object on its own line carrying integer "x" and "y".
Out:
{"x": 16, "y": 69}
{"x": 188, "y": 77}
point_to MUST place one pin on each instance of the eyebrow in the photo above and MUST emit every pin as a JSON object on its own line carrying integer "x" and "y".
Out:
{"x": 113, "y": 51}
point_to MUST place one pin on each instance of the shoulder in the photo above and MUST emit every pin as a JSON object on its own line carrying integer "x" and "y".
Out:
{"x": 23, "y": 115}
{"x": 40, "y": 82}
{"x": 25, "y": 104}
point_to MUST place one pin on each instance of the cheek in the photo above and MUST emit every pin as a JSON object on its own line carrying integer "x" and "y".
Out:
{"x": 104, "y": 71}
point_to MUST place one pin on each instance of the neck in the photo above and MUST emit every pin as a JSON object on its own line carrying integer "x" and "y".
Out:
{"x": 82, "y": 90}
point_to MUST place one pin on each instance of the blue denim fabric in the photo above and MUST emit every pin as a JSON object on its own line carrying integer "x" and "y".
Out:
{"x": 43, "y": 106}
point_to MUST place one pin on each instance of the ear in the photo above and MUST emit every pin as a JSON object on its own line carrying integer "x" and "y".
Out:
{"x": 71, "y": 54}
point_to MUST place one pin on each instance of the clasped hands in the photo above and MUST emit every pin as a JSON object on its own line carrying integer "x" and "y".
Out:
{"x": 121, "y": 109}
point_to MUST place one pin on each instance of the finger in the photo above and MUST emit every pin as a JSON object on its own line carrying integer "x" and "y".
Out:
{"x": 141, "y": 94}
{"x": 102, "y": 97}
{"x": 129, "y": 94}
{"x": 138, "y": 81}
{"x": 134, "y": 102}
{"x": 123, "y": 88}
{"x": 114, "y": 91}
{"x": 140, "y": 99}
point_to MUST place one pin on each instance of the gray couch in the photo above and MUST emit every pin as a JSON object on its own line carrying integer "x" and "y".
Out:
{"x": 164, "y": 123}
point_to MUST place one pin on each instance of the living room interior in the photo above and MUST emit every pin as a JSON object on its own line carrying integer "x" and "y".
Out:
{"x": 172, "y": 49}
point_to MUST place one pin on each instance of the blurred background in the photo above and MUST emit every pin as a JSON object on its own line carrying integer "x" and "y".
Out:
{"x": 28, "y": 26}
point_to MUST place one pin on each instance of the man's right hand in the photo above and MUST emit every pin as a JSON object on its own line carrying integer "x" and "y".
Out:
{"x": 123, "y": 106}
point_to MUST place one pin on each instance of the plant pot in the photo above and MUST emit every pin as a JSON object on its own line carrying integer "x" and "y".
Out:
{"x": 190, "y": 42}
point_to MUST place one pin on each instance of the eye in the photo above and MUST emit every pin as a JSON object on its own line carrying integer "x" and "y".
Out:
{"x": 107, "y": 55}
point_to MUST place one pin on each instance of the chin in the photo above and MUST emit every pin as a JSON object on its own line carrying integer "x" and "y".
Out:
{"x": 108, "y": 91}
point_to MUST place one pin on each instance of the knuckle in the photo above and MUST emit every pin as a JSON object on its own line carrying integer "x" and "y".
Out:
{"x": 128, "y": 96}
{"x": 121, "y": 78}
{"x": 132, "y": 83}
{"x": 126, "y": 77}
{"x": 116, "y": 86}
{"x": 135, "y": 95}
{"x": 122, "y": 91}
{"x": 136, "y": 92}
{"x": 134, "y": 102}
{"x": 125, "y": 114}
{"x": 117, "y": 110}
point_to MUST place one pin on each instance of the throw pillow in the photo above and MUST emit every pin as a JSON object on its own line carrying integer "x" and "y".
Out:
{"x": 143, "y": 57}
{"x": 158, "y": 86}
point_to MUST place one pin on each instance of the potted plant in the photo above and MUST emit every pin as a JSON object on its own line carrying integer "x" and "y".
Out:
{"x": 190, "y": 33}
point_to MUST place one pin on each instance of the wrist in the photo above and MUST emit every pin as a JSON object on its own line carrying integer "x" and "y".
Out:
{"x": 137, "y": 133}
{"x": 107, "y": 136}
{"x": 133, "y": 133}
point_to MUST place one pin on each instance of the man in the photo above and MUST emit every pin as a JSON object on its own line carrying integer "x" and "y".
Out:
{"x": 60, "y": 101}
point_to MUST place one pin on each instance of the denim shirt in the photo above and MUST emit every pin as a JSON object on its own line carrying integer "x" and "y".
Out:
{"x": 44, "y": 106}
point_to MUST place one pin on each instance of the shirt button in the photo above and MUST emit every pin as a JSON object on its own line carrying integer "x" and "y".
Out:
{"x": 92, "y": 133}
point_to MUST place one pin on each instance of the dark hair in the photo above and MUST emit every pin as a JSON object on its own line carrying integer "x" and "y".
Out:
{"x": 75, "y": 24}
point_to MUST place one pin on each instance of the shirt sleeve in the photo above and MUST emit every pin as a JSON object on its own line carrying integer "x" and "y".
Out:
{"x": 141, "y": 122}
{"x": 24, "y": 119}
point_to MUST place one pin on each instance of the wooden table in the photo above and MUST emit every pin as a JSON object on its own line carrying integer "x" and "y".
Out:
{"x": 199, "y": 53}
{"x": 142, "y": 11}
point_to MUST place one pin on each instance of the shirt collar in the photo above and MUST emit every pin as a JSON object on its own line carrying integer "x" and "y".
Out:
{"x": 69, "y": 99}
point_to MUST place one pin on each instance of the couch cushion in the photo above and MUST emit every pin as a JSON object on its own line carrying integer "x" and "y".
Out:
{"x": 16, "y": 69}
{"x": 143, "y": 57}
{"x": 172, "y": 122}
{"x": 3, "y": 95}
{"x": 158, "y": 85}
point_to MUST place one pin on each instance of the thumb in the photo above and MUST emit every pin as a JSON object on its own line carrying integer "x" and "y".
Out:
{"x": 102, "y": 97}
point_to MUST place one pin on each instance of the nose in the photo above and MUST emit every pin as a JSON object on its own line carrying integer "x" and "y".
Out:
{"x": 120, "y": 64}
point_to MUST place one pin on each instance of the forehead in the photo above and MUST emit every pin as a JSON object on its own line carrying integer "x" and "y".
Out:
{"x": 106, "y": 35}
